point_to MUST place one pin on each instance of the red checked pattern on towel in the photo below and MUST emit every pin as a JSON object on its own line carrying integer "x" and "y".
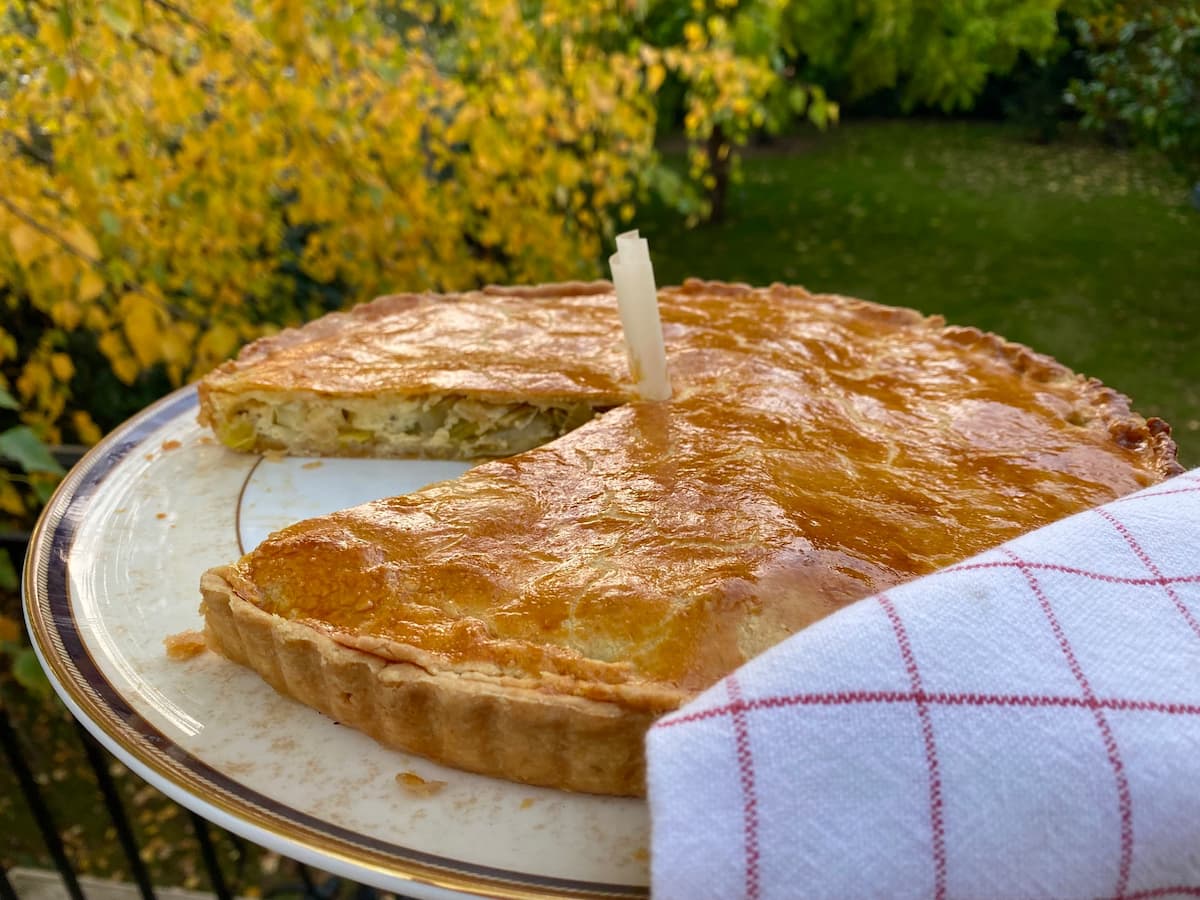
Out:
{"x": 1111, "y": 595}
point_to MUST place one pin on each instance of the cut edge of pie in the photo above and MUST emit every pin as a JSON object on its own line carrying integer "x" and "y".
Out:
{"x": 394, "y": 422}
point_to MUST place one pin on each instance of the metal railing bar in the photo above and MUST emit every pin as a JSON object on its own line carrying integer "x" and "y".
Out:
{"x": 240, "y": 856}
{"x": 310, "y": 886}
{"x": 208, "y": 853}
{"x": 6, "y": 889}
{"x": 37, "y": 806}
{"x": 98, "y": 760}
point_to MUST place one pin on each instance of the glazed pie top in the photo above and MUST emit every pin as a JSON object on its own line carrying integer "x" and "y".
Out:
{"x": 406, "y": 375}
{"x": 509, "y": 344}
{"x": 817, "y": 449}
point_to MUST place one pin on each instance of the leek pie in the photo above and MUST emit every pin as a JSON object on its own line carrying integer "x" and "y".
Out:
{"x": 530, "y": 619}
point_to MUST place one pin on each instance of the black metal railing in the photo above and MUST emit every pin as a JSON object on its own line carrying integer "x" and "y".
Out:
{"x": 41, "y": 812}
{"x": 98, "y": 761}
{"x": 230, "y": 866}
{"x": 292, "y": 880}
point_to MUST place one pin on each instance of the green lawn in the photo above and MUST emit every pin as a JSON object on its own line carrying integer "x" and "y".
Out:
{"x": 1085, "y": 253}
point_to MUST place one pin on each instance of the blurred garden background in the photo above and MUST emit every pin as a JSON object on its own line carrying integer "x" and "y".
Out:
{"x": 177, "y": 178}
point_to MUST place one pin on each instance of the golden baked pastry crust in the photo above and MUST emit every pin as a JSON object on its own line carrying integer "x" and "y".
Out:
{"x": 817, "y": 449}
{"x": 465, "y": 375}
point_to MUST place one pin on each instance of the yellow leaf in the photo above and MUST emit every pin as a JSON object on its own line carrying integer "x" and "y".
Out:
{"x": 10, "y": 497}
{"x": 81, "y": 85}
{"x": 141, "y": 325}
{"x": 34, "y": 379}
{"x": 219, "y": 342}
{"x": 27, "y": 242}
{"x": 67, "y": 314}
{"x": 81, "y": 239}
{"x": 8, "y": 346}
{"x": 125, "y": 369}
{"x": 87, "y": 430}
{"x": 91, "y": 286}
{"x": 654, "y": 77}
{"x": 61, "y": 366}
{"x": 61, "y": 270}
{"x": 123, "y": 365}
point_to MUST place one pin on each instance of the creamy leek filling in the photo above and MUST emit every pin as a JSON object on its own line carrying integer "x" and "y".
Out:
{"x": 435, "y": 424}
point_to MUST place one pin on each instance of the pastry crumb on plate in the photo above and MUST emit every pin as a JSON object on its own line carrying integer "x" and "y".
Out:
{"x": 418, "y": 786}
{"x": 185, "y": 644}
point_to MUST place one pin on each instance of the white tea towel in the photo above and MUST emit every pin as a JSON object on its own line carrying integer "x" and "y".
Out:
{"x": 1023, "y": 724}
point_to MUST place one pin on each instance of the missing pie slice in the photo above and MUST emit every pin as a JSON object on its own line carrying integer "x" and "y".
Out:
{"x": 531, "y": 618}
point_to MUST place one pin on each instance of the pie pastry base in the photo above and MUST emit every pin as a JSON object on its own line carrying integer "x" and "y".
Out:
{"x": 491, "y": 726}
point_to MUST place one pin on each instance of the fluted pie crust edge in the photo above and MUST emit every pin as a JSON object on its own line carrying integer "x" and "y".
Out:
{"x": 470, "y": 721}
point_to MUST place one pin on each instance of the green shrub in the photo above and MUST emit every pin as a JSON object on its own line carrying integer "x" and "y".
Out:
{"x": 1143, "y": 84}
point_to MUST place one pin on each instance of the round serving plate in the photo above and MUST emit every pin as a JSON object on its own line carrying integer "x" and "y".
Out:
{"x": 114, "y": 569}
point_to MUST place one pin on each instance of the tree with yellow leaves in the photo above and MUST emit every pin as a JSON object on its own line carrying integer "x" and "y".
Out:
{"x": 181, "y": 177}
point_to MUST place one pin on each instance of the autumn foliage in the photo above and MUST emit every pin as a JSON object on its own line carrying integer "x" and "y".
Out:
{"x": 181, "y": 177}
{"x": 187, "y": 176}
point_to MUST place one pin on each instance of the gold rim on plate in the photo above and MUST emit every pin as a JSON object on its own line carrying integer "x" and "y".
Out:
{"x": 113, "y": 720}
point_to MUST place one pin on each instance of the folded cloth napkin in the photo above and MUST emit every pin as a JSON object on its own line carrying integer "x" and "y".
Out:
{"x": 1023, "y": 724}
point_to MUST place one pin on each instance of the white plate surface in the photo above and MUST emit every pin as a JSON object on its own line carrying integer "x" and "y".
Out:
{"x": 114, "y": 569}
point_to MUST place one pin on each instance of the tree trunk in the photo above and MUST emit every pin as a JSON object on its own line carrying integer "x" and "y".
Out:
{"x": 719, "y": 163}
